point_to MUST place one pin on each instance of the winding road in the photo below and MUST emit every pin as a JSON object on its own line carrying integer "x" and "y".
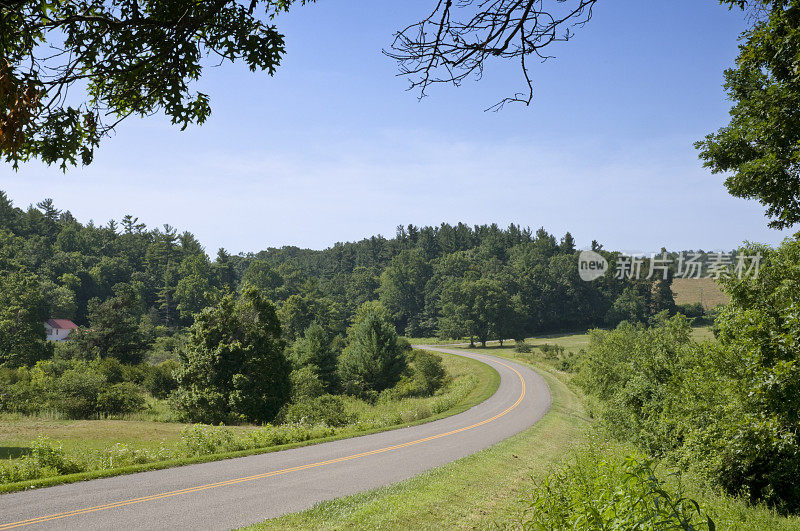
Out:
{"x": 237, "y": 492}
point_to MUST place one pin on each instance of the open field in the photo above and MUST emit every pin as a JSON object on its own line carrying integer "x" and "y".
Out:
{"x": 570, "y": 342}
{"x": 17, "y": 434}
{"x": 149, "y": 445}
{"x": 489, "y": 489}
{"x": 706, "y": 291}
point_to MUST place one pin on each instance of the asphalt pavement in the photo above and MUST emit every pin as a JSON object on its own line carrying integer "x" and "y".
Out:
{"x": 236, "y": 492}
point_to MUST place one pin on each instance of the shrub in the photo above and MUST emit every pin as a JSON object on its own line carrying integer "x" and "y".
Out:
{"x": 48, "y": 455}
{"x": 19, "y": 392}
{"x": 111, "y": 369}
{"x": 522, "y": 348}
{"x": 165, "y": 348}
{"x": 636, "y": 372}
{"x": 306, "y": 383}
{"x": 596, "y": 491}
{"x": 160, "y": 380}
{"x": 570, "y": 362}
{"x": 325, "y": 409}
{"x": 404, "y": 344}
{"x": 76, "y": 392}
{"x": 551, "y": 352}
{"x": 429, "y": 372}
{"x": 200, "y": 439}
{"x": 120, "y": 398}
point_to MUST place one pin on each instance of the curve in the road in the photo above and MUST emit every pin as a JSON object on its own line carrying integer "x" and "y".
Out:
{"x": 225, "y": 494}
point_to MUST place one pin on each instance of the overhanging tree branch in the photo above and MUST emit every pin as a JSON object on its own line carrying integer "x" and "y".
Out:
{"x": 458, "y": 39}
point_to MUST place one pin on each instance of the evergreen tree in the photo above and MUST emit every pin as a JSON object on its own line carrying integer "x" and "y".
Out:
{"x": 567, "y": 245}
{"x": 373, "y": 359}
{"x": 314, "y": 350}
{"x": 224, "y": 271}
{"x": 234, "y": 368}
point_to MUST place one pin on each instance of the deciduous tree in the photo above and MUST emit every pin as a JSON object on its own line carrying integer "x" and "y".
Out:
{"x": 22, "y": 333}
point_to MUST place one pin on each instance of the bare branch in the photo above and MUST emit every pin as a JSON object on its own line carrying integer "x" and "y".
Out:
{"x": 459, "y": 37}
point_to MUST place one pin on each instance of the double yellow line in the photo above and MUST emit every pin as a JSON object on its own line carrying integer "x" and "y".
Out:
{"x": 199, "y": 488}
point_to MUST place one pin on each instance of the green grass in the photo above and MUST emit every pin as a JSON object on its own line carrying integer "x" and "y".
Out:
{"x": 492, "y": 488}
{"x": 703, "y": 333}
{"x": 570, "y": 342}
{"x": 480, "y": 490}
{"x": 472, "y": 382}
{"x": 432, "y": 341}
{"x": 79, "y": 435}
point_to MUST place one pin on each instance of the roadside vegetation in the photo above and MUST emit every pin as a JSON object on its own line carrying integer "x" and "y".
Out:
{"x": 566, "y": 471}
{"x": 672, "y": 428}
{"x": 52, "y": 450}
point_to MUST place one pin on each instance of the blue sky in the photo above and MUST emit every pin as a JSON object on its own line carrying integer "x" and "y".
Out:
{"x": 333, "y": 148}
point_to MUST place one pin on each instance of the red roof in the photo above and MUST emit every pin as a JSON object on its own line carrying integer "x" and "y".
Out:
{"x": 61, "y": 324}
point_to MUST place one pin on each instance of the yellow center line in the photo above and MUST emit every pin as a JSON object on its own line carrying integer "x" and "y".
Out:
{"x": 199, "y": 488}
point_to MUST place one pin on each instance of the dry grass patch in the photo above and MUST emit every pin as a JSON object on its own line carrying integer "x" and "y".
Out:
{"x": 706, "y": 291}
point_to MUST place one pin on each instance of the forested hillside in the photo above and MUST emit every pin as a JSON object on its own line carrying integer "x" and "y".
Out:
{"x": 454, "y": 281}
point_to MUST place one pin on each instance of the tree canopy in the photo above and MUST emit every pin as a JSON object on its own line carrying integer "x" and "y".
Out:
{"x": 235, "y": 368}
{"x": 759, "y": 149}
{"x": 71, "y": 71}
{"x": 127, "y": 57}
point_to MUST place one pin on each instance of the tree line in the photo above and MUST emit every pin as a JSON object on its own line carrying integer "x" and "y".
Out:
{"x": 128, "y": 286}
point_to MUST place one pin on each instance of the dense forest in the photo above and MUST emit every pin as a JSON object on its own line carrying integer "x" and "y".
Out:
{"x": 453, "y": 281}
{"x": 238, "y": 338}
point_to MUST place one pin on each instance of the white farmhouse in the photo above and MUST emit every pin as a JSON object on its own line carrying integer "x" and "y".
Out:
{"x": 58, "y": 329}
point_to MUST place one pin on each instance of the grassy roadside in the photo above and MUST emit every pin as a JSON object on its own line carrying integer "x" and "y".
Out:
{"x": 489, "y": 489}
{"x": 481, "y": 490}
{"x": 15, "y": 435}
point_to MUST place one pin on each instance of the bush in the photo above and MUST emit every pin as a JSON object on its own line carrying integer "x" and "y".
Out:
{"x": 551, "y": 352}
{"x": 111, "y": 369}
{"x": 522, "y": 348}
{"x": 160, "y": 380}
{"x": 79, "y": 389}
{"x": 19, "y": 393}
{"x": 76, "y": 393}
{"x": 596, "y": 491}
{"x": 429, "y": 372}
{"x": 636, "y": 372}
{"x": 48, "y": 455}
{"x": 165, "y": 348}
{"x": 306, "y": 383}
{"x": 327, "y": 410}
{"x": 570, "y": 362}
{"x": 120, "y": 398}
